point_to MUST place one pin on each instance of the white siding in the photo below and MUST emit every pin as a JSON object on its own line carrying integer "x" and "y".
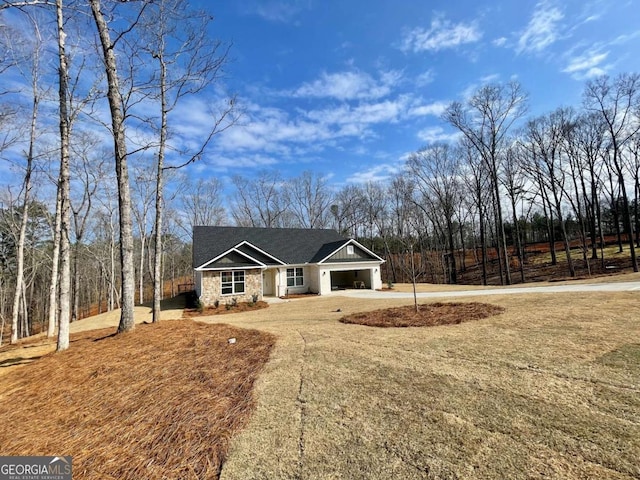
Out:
{"x": 314, "y": 278}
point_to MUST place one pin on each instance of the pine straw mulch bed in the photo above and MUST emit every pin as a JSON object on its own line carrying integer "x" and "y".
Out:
{"x": 223, "y": 309}
{"x": 160, "y": 402}
{"x": 428, "y": 315}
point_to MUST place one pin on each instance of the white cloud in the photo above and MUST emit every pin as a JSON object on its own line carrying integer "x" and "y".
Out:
{"x": 425, "y": 78}
{"x": 276, "y": 10}
{"x": 624, "y": 38}
{"x": 378, "y": 173}
{"x": 285, "y": 134}
{"x": 543, "y": 29}
{"x": 350, "y": 85}
{"x": 437, "y": 134}
{"x": 442, "y": 34}
{"x": 500, "y": 42}
{"x": 241, "y": 162}
{"x": 587, "y": 65}
{"x": 363, "y": 114}
{"x": 436, "y": 109}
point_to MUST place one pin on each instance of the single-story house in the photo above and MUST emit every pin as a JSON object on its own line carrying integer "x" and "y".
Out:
{"x": 248, "y": 263}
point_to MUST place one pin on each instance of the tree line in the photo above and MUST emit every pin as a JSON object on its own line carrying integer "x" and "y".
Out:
{"x": 569, "y": 177}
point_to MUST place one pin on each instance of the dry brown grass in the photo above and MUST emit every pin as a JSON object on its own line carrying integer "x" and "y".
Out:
{"x": 160, "y": 402}
{"x": 548, "y": 389}
{"x": 428, "y": 315}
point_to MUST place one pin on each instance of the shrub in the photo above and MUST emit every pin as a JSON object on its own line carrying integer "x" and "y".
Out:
{"x": 191, "y": 299}
{"x": 199, "y": 305}
{"x": 216, "y": 303}
{"x": 254, "y": 298}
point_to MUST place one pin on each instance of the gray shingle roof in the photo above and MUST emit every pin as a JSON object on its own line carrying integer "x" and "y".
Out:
{"x": 290, "y": 245}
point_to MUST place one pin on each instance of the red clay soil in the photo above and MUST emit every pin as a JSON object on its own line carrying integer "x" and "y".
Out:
{"x": 160, "y": 402}
{"x": 428, "y": 315}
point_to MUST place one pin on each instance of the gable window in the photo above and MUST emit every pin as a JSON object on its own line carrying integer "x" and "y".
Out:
{"x": 295, "y": 278}
{"x": 232, "y": 282}
{"x": 350, "y": 250}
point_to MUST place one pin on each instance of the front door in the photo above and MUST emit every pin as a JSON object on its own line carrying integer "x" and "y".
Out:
{"x": 267, "y": 282}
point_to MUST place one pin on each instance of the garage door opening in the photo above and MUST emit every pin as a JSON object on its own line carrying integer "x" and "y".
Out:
{"x": 341, "y": 280}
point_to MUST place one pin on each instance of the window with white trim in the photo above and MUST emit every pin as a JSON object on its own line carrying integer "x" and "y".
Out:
{"x": 295, "y": 277}
{"x": 232, "y": 282}
{"x": 350, "y": 250}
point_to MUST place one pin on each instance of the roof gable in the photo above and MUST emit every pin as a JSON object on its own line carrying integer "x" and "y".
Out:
{"x": 258, "y": 254}
{"x": 232, "y": 258}
{"x": 349, "y": 251}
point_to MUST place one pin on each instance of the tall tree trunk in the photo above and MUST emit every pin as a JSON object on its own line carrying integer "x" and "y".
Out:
{"x": 55, "y": 264}
{"x": 127, "y": 270}
{"x": 483, "y": 243}
{"x": 453, "y": 274}
{"x": 157, "y": 256}
{"x": 626, "y": 211}
{"x": 75, "y": 290}
{"x": 64, "y": 300}
{"x": 516, "y": 229}
{"x": 567, "y": 245}
{"x": 497, "y": 244}
{"x": 18, "y": 294}
{"x": 143, "y": 238}
{"x": 595, "y": 221}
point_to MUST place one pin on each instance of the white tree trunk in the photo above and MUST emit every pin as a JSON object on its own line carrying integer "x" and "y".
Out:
{"x": 55, "y": 261}
{"x": 157, "y": 266}
{"x": 25, "y": 209}
{"x": 64, "y": 306}
{"x": 114, "y": 96}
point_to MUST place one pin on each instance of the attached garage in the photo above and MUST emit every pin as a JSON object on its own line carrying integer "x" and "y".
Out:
{"x": 342, "y": 279}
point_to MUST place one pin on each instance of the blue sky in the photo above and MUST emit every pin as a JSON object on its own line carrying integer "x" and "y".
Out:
{"x": 348, "y": 89}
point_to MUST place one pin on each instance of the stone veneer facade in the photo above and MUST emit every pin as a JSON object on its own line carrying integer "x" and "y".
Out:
{"x": 212, "y": 287}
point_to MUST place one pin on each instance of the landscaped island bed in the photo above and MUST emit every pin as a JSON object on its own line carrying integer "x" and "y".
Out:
{"x": 427, "y": 315}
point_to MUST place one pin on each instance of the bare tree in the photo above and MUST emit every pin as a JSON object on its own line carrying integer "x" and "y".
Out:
{"x": 485, "y": 120}
{"x": 201, "y": 203}
{"x": 436, "y": 171}
{"x": 36, "y": 93}
{"x": 346, "y": 212}
{"x": 618, "y": 102}
{"x": 309, "y": 199}
{"x": 514, "y": 182}
{"x": 143, "y": 199}
{"x": 88, "y": 173}
{"x": 588, "y": 138}
{"x": 188, "y": 61}
{"x": 259, "y": 202}
{"x": 116, "y": 105}
{"x": 546, "y": 137}
{"x": 476, "y": 179}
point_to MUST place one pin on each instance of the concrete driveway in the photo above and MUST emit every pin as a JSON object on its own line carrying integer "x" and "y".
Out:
{"x": 481, "y": 291}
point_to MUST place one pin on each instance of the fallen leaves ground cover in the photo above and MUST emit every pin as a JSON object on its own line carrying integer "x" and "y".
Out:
{"x": 160, "y": 402}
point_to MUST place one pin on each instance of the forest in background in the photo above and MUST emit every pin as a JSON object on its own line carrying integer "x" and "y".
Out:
{"x": 104, "y": 200}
